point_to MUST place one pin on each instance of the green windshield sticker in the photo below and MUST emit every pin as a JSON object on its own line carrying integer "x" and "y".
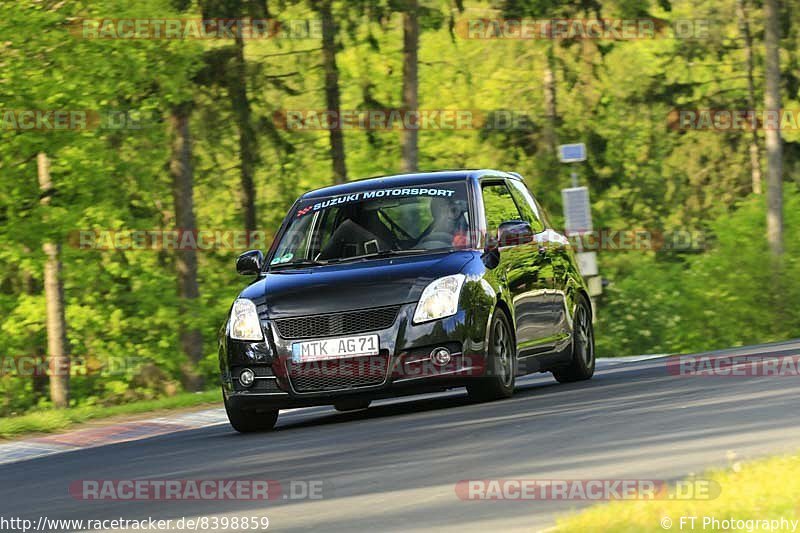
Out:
{"x": 283, "y": 259}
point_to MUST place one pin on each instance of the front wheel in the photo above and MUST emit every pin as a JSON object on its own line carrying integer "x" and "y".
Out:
{"x": 581, "y": 366}
{"x": 250, "y": 421}
{"x": 501, "y": 361}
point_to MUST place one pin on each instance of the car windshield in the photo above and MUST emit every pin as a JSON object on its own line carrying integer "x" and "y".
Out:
{"x": 375, "y": 223}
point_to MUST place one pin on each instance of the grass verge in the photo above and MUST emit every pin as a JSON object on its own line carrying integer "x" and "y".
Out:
{"x": 51, "y": 420}
{"x": 766, "y": 489}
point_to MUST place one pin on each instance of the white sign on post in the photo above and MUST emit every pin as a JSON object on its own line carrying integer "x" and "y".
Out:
{"x": 578, "y": 216}
{"x": 587, "y": 263}
{"x": 577, "y": 211}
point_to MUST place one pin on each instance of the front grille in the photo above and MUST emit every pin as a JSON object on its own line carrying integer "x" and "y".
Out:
{"x": 337, "y": 324}
{"x": 338, "y": 374}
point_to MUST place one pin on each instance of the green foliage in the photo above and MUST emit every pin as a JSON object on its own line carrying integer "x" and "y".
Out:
{"x": 728, "y": 296}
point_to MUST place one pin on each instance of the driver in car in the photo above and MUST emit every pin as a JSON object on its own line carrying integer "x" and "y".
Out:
{"x": 449, "y": 227}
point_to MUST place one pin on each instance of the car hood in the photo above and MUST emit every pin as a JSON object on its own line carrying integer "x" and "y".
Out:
{"x": 355, "y": 285}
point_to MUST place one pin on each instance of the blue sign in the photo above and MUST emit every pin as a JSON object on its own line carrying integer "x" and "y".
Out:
{"x": 572, "y": 153}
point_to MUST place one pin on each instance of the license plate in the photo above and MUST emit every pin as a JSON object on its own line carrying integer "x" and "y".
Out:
{"x": 320, "y": 350}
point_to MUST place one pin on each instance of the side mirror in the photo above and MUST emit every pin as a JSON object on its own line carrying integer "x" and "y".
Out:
{"x": 513, "y": 232}
{"x": 250, "y": 263}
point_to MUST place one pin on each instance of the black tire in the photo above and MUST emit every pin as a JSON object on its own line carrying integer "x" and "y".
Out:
{"x": 250, "y": 421}
{"x": 502, "y": 363}
{"x": 581, "y": 367}
{"x": 351, "y": 405}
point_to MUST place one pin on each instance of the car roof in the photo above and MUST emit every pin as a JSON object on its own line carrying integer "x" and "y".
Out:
{"x": 402, "y": 180}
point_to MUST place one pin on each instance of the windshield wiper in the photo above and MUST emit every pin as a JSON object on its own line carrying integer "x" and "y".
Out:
{"x": 387, "y": 253}
{"x": 299, "y": 263}
{"x": 374, "y": 255}
{"x": 390, "y": 253}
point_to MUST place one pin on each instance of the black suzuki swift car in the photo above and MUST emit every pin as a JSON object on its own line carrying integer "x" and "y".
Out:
{"x": 404, "y": 284}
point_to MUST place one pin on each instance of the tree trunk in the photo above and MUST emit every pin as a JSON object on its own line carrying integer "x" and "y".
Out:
{"x": 40, "y": 382}
{"x": 57, "y": 348}
{"x": 755, "y": 157}
{"x": 410, "y": 84}
{"x": 182, "y": 174}
{"x": 332, "y": 97}
{"x": 550, "y": 107}
{"x": 237, "y": 85}
{"x": 772, "y": 102}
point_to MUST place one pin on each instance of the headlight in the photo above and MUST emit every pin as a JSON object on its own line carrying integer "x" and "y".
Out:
{"x": 439, "y": 299}
{"x": 245, "y": 325}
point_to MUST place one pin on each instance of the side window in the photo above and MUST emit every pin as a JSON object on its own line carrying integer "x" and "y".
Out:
{"x": 530, "y": 212}
{"x": 499, "y": 206}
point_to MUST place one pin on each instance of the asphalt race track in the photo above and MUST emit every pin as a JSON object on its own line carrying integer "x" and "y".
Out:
{"x": 395, "y": 465}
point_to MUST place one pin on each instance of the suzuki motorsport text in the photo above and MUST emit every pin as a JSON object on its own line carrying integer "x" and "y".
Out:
{"x": 404, "y": 284}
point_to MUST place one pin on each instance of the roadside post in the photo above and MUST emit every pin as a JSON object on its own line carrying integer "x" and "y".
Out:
{"x": 578, "y": 216}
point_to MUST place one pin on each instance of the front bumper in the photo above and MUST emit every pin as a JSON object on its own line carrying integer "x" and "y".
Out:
{"x": 406, "y": 348}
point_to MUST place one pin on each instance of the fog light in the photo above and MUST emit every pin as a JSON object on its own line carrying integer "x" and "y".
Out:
{"x": 247, "y": 377}
{"x": 440, "y": 356}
